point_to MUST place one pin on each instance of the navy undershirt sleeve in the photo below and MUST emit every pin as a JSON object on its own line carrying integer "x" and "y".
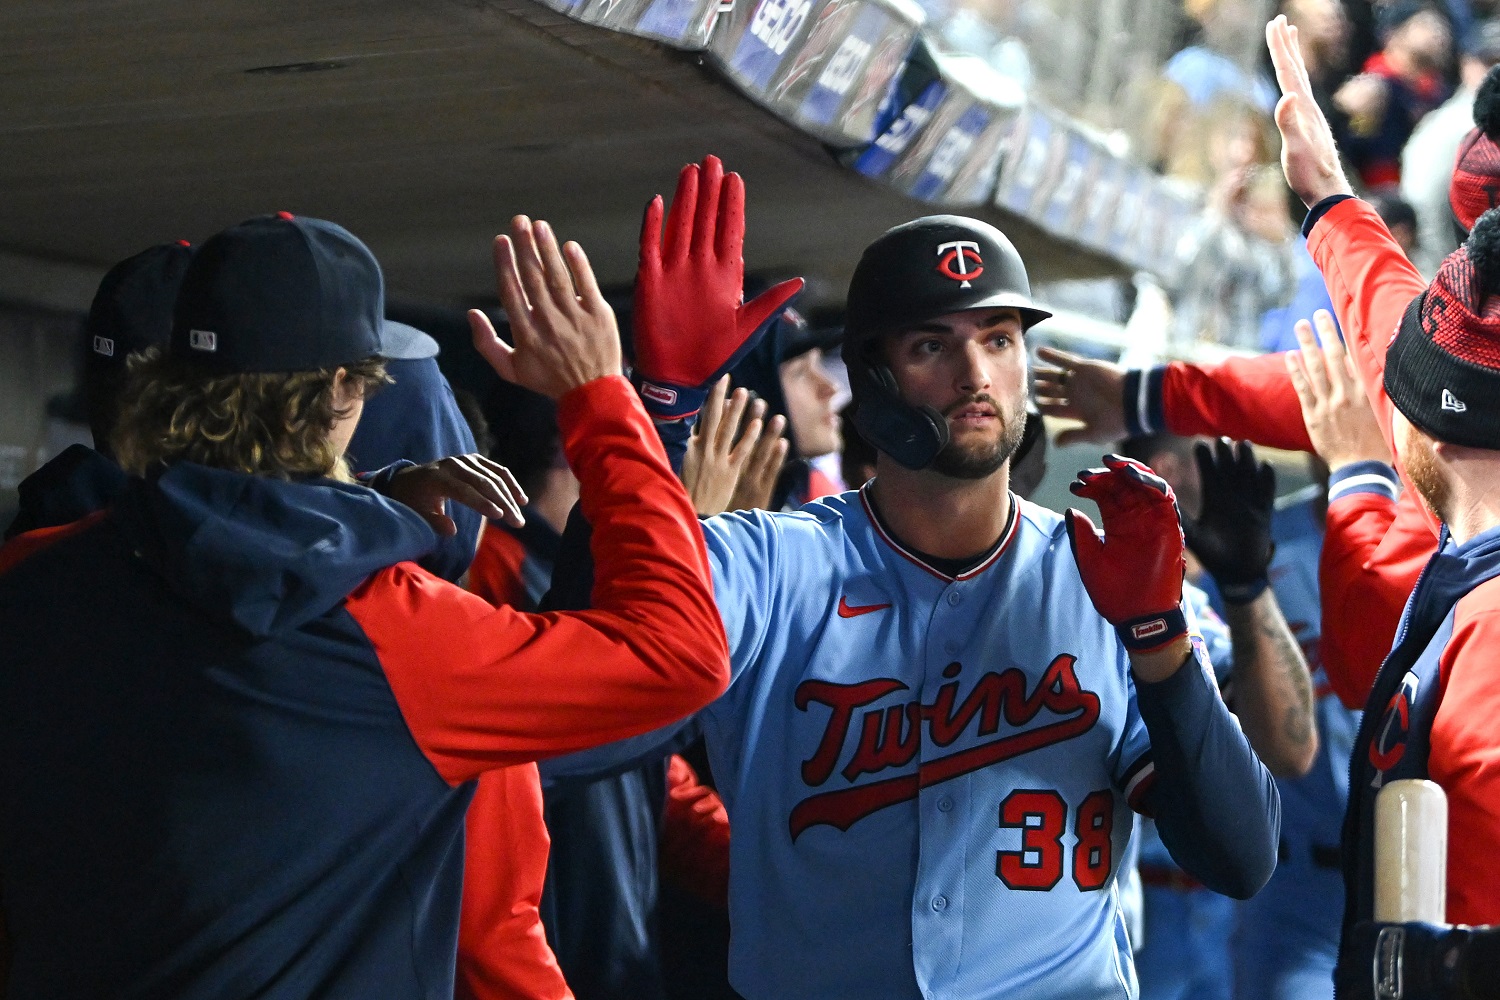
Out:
{"x": 1216, "y": 806}
{"x": 1319, "y": 210}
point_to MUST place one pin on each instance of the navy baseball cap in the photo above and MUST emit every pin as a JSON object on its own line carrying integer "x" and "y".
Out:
{"x": 132, "y": 309}
{"x": 279, "y": 293}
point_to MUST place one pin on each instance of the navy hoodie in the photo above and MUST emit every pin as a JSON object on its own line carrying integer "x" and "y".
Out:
{"x": 1396, "y": 734}
{"x": 238, "y": 728}
{"x": 417, "y": 419}
{"x": 197, "y": 658}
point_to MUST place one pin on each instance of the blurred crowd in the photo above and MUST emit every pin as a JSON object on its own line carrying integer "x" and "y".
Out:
{"x": 1188, "y": 90}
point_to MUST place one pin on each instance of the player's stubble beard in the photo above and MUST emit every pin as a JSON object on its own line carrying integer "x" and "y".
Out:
{"x": 1421, "y": 465}
{"x": 981, "y": 459}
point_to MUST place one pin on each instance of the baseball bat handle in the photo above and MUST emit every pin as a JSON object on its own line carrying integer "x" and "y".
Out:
{"x": 1411, "y": 852}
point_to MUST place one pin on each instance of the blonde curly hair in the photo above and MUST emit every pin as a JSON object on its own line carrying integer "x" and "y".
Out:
{"x": 264, "y": 424}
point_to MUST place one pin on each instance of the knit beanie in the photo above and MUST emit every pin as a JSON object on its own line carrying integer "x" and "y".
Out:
{"x": 1442, "y": 369}
{"x": 1475, "y": 188}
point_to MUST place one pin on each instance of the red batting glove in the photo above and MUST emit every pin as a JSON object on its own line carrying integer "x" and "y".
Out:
{"x": 1133, "y": 572}
{"x": 691, "y": 321}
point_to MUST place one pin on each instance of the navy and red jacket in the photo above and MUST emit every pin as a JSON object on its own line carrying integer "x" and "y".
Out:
{"x": 239, "y": 727}
{"x": 1434, "y": 710}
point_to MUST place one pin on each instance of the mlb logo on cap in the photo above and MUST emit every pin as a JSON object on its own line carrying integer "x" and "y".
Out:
{"x": 104, "y": 346}
{"x": 279, "y": 293}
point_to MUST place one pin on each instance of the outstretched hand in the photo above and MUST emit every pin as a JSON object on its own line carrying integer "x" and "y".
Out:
{"x": 1308, "y": 153}
{"x": 1339, "y": 419}
{"x": 1133, "y": 571}
{"x": 1074, "y": 387}
{"x": 1232, "y": 535}
{"x": 472, "y": 480}
{"x": 565, "y": 333}
{"x": 690, "y": 319}
{"x": 719, "y": 452}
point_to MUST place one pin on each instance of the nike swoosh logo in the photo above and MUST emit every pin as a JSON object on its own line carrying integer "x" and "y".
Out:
{"x": 847, "y": 610}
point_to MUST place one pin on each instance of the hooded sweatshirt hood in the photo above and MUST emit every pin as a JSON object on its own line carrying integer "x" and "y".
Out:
{"x": 76, "y": 483}
{"x": 265, "y": 554}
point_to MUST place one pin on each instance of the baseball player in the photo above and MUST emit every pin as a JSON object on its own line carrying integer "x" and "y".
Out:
{"x": 1431, "y": 711}
{"x": 933, "y": 737}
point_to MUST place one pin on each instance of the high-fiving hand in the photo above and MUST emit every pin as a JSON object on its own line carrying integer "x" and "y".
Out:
{"x": 1308, "y": 154}
{"x": 564, "y": 331}
{"x": 691, "y": 322}
{"x": 1232, "y": 534}
{"x": 1133, "y": 571}
{"x": 721, "y": 452}
{"x": 1339, "y": 420}
{"x": 1072, "y": 387}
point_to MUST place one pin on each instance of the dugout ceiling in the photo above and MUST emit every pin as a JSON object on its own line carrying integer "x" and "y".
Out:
{"x": 422, "y": 125}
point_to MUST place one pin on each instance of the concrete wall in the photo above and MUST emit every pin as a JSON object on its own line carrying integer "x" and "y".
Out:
{"x": 37, "y": 372}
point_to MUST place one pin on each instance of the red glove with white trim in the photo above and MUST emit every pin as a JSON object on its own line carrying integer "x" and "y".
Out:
{"x": 1133, "y": 572}
{"x": 691, "y": 321}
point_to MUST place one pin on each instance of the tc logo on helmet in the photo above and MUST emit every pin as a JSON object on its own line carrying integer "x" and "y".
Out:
{"x": 960, "y": 261}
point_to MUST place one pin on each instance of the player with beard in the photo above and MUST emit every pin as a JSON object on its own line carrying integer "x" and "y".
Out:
{"x": 933, "y": 737}
{"x": 1433, "y": 386}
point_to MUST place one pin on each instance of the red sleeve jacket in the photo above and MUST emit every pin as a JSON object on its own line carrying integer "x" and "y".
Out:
{"x": 1372, "y": 283}
{"x": 481, "y": 685}
{"x": 317, "y": 706}
{"x": 1374, "y": 547}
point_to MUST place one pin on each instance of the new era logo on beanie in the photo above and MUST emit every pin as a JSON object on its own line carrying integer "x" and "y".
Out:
{"x": 279, "y": 293}
{"x": 132, "y": 309}
{"x": 1442, "y": 369}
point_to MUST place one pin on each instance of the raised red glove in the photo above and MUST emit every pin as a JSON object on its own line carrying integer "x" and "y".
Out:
{"x": 1133, "y": 572}
{"x": 691, "y": 321}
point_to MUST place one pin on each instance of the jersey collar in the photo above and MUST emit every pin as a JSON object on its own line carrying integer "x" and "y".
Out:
{"x": 1001, "y": 544}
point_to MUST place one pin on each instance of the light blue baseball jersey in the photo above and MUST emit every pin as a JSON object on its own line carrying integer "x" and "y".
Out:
{"x": 927, "y": 778}
{"x": 1288, "y": 936}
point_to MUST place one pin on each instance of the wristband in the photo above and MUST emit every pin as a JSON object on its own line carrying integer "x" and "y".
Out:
{"x": 1152, "y": 632}
{"x": 666, "y": 401}
{"x": 1243, "y": 593}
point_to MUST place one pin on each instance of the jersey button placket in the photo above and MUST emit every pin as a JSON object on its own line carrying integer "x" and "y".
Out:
{"x": 939, "y": 903}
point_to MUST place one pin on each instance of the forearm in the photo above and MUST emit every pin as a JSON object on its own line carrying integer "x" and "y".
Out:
{"x": 1373, "y": 551}
{"x": 1248, "y": 399}
{"x": 1273, "y": 691}
{"x": 1371, "y": 283}
{"x": 1215, "y": 804}
{"x": 674, "y": 436}
{"x": 480, "y": 686}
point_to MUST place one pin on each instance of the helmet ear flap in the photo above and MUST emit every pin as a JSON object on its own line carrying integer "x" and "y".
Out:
{"x": 912, "y": 435}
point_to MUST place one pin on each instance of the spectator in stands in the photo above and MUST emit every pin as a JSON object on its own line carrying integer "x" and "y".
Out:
{"x": 1428, "y": 158}
{"x": 1221, "y": 63}
{"x": 1237, "y": 261}
{"x": 1398, "y": 85}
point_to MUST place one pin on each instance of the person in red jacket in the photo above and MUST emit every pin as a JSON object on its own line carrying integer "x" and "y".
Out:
{"x": 1434, "y": 384}
{"x": 239, "y": 726}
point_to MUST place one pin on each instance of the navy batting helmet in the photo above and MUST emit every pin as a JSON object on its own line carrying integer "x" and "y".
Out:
{"x": 915, "y": 272}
